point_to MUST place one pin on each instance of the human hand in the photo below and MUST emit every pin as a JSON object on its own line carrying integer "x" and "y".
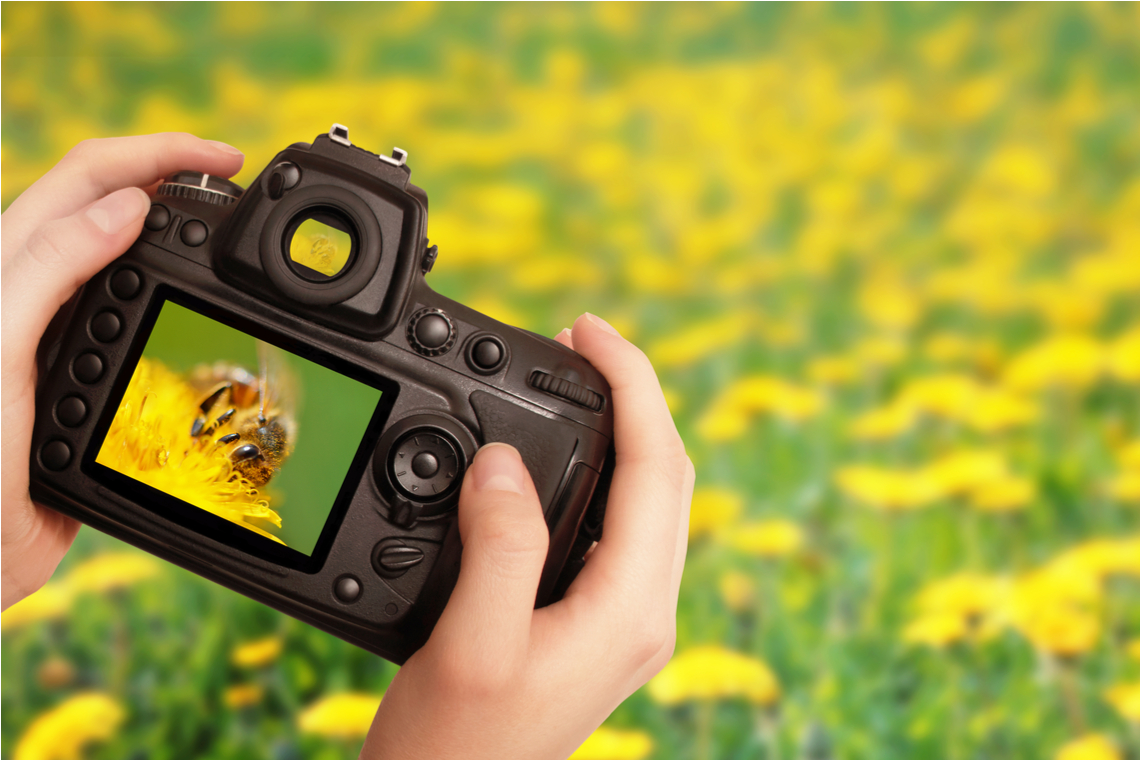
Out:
{"x": 67, "y": 226}
{"x": 500, "y": 679}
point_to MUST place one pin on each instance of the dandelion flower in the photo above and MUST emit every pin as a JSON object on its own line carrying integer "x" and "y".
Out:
{"x": 767, "y": 538}
{"x": 1126, "y": 699}
{"x": 738, "y": 591}
{"x": 342, "y": 716}
{"x": 243, "y": 695}
{"x": 1072, "y": 362}
{"x": 713, "y": 672}
{"x": 112, "y": 570}
{"x": 1091, "y": 747}
{"x": 150, "y": 441}
{"x": 62, "y": 732}
{"x": 968, "y": 469}
{"x": 612, "y": 744}
{"x": 1061, "y": 630}
{"x": 52, "y": 601}
{"x": 1124, "y": 357}
{"x": 257, "y": 653}
{"x": 883, "y": 423}
{"x": 713, "y": 509}
{"x": 833, "y": 370}
{"x": 1010, "y": 494}
{"x": 937, "y": 630}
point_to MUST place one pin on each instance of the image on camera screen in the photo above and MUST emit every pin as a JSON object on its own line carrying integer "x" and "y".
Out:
{"x": 238, "y": 427}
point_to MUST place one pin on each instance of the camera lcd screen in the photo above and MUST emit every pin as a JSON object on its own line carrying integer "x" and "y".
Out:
{"x": 238, "y": 427}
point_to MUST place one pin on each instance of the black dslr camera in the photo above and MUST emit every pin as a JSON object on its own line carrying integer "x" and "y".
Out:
{"x": 265, "y": 391}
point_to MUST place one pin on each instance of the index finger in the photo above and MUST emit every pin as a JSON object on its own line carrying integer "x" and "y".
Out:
{"x": 96, "y": 168}
{"x": 646, "y": 500}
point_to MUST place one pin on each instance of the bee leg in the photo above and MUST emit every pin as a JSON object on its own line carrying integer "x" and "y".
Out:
{"x": 228, "y": 438}
{"x": 207, "y": 406}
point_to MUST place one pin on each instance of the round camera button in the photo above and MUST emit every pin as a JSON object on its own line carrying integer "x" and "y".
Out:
{"x": 433, "y": 330}
{"x": 71, "y": 411}
{"x": 126, "y": 284}
{"x": 106, "y": 326}
{"x": 88, "y": 368}
{"x": 487, "y": 354}
{"x": 157, "y": 218}
{"x": 347, "y": 588}
{"x": 425, "y": 464}
{"x": 194, "y": 233}
{"x": 55, "y": 455}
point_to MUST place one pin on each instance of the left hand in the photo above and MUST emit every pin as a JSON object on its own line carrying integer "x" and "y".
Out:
{"x": 76, "y": 219}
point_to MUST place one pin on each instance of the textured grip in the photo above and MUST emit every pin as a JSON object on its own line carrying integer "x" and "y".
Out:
{"x": 566, "y": 390}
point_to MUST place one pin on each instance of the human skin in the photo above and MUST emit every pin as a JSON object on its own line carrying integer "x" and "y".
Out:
{"x": 497, "y": 678}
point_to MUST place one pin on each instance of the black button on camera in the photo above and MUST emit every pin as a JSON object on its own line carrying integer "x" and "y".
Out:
{"x": 347, "y": 588}
{"x": 71, "y": 411}
{"x": 425, "y": 465}
{"x": 55, "y": 455}
{"x": 88, "y": 368}
{"x": 392, "y": 558}
{"x": 106, "y": 326}
{"x": 194, "y": 233}
{"x": 126, "y": 283}
{"x": 283, "y": 178}
{"x": 157, "y": 218}
{"x": 430, "y": 332}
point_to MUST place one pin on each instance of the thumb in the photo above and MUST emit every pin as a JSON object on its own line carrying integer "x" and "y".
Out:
{"x": 505, "y": 540}
{"x": 61, "y": 255}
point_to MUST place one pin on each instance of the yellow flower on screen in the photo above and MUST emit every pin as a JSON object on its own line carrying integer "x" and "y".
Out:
{"x": 1091, "y": 747}
{"x": 766, "y": 538}
{"x": 1125, "y": 698}
{"x": 52, "y": 601}
{"x": 713, "y": 672}
{"x": 341, "y": 716}
{"x": 1009, "y": 494}
{"x": 257, "y": 653}
{"x": 712, "y": 509}
{"x": 112, "y": 570}
{"x": 937, "y": 630}
{"x": 150, "y": 441}
{"x": 242, "y": 695}
{"x": 613, "y": 744}
{"x": 62, "y": 732}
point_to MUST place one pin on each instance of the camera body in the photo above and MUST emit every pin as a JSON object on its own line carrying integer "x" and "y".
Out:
{"x": 148, "y": 429}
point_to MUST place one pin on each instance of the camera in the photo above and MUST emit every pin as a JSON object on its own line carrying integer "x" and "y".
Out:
{"x": 264, "y": 390}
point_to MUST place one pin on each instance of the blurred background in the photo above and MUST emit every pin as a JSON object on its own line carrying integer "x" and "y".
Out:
{"x": 886, "y": 259}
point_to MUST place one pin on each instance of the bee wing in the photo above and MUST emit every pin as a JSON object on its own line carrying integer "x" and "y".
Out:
{"x": 279, "y": 389}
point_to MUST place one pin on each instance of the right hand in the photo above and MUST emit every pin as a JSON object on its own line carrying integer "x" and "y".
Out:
{"x": 500, "y": 679}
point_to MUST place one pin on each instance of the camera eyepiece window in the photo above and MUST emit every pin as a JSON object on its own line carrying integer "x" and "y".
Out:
{"x": 285, "y": 403}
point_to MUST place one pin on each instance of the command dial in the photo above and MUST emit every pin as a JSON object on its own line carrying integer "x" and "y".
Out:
{"x": 201, "y": 187}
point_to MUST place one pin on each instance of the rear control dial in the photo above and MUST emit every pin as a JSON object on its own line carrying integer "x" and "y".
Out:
{"x": 431, "y": 332}
{"x": 425, "y": 465}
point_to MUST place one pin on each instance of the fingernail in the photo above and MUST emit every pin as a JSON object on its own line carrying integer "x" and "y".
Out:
{"x": 119, "y": 209}
{"x": 601, "y": 323}
{"x": 498, "y": 467}
{"x": 225, "y": 148}
{"x": 565, "y": 332}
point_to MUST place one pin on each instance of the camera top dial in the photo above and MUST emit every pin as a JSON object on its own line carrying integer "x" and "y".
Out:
{"x": 201, "y": 187}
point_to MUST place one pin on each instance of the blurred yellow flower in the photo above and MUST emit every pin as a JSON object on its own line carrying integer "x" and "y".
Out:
{"x": 1124, "y": 357}
{"x": 880, "y": 351}
{"x": 738, "y": 591}
{"x": 889, "y": 490}
{"x": 948, "y": 396}
{"x": 340, "y": 716}
{"x": 257, "y": 653}
{"x": 52, "y": 601}
{"x": 1105, "y": 556}
{"x": 969, "y": 596}
{"x": 1125, "y": 487}
{"x": 1067, "y": 361}
{"x": 1129, "y": 456}
{"x": 890, "y": 305}
{"x": 62, "y": 732}
{"x": 242, "y": 695}
{"x": 995, "y": 411}
{"x": 1091, "y": 747}
{"x": 1060, "y": 630}
{"x": 702, "y": 339}
{"x": 613, "y": 744}
{"x": 833, "y": 370}
{"x": 766, "y": 538}
{"x": 966, "y": 470}
{"x": 1133, "y": 649}
{"x": 936, "y": 630}
{"x": 1008, "y": 494}
{"x": 712, "y": 672}
{"x": 712, "y": 509}
{"x": 731, "y": 411}
{"x": 883, "y": 423}
{"x": 112, "y": 570}
{"x": 1125, "y": 698}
